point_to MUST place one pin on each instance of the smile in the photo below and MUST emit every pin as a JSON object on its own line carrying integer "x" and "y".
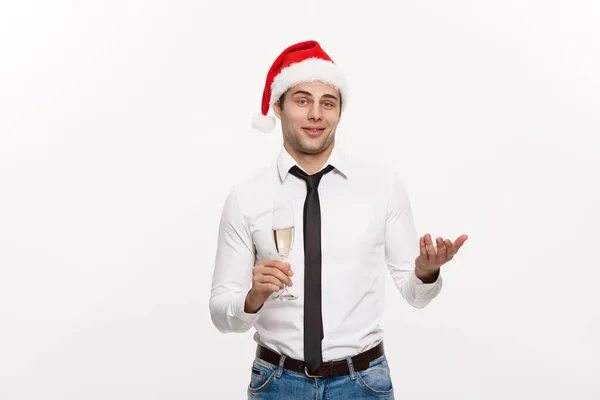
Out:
{"x": 313, "y": 131}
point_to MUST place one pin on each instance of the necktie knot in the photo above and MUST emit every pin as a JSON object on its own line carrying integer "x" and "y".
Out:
{"x": 312, "y": 181}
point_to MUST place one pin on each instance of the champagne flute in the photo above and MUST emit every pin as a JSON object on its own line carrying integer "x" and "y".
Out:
{"x": 283, "y": 235}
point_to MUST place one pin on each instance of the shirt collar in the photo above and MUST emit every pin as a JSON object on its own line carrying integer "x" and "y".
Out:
{"x": 285, "y": 161}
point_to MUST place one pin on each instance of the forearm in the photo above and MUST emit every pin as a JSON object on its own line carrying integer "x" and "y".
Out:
{"x": 416, "y": 292}
{"x": 228, "y": 314}
{"x": 232, "y": 275}
{"x": 402, "y": 249}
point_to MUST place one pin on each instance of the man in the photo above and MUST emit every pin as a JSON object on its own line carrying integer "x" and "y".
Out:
{"x": 352, "y": 218}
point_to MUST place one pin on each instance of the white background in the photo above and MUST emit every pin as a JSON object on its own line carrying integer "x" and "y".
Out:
{"x": 123, "y": 126}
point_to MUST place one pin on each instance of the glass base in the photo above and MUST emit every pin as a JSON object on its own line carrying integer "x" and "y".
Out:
{"x": 286, "y": 296}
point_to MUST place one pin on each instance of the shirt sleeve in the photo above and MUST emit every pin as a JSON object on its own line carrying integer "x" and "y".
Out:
{"x": 232, "y": 276}
{"x": 402, "y": 248}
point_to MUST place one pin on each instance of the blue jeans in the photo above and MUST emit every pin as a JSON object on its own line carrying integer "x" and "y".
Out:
{"x": 272, "y": 382}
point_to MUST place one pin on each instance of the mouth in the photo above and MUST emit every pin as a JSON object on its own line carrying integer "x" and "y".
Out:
{"x": 313, "y": 131}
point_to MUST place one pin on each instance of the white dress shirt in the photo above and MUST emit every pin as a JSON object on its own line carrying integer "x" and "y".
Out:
{"x": 366, "y": 224}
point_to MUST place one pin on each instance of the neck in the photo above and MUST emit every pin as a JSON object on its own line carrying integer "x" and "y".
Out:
{"x": 311, "y": 163}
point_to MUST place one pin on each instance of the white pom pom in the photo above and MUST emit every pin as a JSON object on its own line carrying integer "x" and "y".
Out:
{"x": 263, "y": 123}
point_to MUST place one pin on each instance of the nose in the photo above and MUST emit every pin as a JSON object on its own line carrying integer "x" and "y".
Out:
{"x": 314, "y": 112}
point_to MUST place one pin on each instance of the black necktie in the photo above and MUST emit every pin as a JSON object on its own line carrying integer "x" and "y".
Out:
{"x": 313, "y": 320}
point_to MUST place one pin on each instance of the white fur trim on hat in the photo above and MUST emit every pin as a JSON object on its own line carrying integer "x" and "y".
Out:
{"x": 309, "y": 70}
{"x": 263, "y": 123}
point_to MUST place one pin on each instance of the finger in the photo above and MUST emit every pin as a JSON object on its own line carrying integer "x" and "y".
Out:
{"x": 449, "y": 249}
{"x": 441, "y": 250}
{"x": 422, "y": 247}
{"x": 430, "y": 247}
{"x": 270, "y": 280}
{"x": 459, "y": 242}
{"x": 272, "y": 263}
{"x": 270, "y": 271}
{"x": 268, "y": 288}
{"x": 280, "y": 265}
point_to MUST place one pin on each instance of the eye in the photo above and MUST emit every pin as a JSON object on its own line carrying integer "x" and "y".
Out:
{"x": 328, "y": 104}
{"x": 302, "y": 101}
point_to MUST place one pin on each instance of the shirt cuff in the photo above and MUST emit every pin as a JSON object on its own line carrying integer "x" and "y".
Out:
{"x": 238, "y": 310}
{"x": 421, "y": 288}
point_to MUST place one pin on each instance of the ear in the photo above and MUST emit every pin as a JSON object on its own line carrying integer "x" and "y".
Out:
{"x": 277, "y": 109}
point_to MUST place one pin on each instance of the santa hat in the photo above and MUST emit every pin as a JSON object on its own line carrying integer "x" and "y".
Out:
{"x": 301, "y": 62}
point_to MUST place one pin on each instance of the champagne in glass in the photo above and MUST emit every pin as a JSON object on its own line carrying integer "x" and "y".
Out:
{"x": 283, "y": 236}
{"x": 284, "y": 240}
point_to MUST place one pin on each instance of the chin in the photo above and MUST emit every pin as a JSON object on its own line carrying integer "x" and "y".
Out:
{"x": 312, "y": 151}
{"x": 308, "y": 145}
{"x": 315, "y": 149}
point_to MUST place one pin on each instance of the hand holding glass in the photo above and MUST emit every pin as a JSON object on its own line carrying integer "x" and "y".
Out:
{"x": 283, "y": 236}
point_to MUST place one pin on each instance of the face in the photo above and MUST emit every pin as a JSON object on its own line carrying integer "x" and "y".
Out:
{"x": 309, "y": 118}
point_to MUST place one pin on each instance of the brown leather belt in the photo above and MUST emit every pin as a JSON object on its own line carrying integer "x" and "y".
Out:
{"x": 360, "y": 362}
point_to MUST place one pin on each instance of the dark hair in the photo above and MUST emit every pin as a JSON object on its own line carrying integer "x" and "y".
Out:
{"x": 283, "y": 96}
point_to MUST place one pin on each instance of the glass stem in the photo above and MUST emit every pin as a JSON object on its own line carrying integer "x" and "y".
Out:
{"x": 284, "y": 290}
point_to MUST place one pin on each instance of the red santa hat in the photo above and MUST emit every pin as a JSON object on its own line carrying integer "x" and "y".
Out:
{"x": 301, "y": 62}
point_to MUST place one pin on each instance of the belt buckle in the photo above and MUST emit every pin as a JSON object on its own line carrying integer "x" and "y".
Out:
{"x": 309, "y": 375}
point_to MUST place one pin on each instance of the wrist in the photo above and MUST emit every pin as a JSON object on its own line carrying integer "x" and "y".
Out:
{"x": 252, "y": 304}
{"x": 427, "y": 276}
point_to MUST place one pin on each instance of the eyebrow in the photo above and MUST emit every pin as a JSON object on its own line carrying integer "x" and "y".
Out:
{"x": 330, "y": 96}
